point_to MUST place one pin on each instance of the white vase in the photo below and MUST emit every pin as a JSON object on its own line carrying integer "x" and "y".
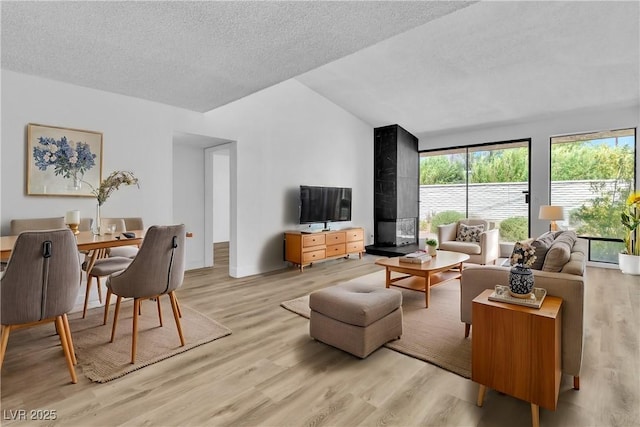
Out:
{"x": 432, "y": 250}
{"x": 629, "y": 264}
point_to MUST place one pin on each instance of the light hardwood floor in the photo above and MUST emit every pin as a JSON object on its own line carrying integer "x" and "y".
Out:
{"x": 270, "y": 373}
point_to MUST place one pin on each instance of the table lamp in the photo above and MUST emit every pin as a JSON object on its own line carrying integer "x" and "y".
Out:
{"x": 551, "y": 213}
{"x": 72, "y": 219}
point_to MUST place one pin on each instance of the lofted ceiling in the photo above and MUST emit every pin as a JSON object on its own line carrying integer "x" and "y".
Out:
{"x": 197, "y": 55}
{"x": 428, "y": 66}
{"x": 492, "y": 63}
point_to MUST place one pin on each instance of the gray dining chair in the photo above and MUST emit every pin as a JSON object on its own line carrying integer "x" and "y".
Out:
{"x": 24, "y": 224}
{"x": 102, "y": 267}
{"x": 120, "y": 227}
{"x": 27, "y": 224}
{"x": 40, "y": 285}
{"x": 158, "y": 270}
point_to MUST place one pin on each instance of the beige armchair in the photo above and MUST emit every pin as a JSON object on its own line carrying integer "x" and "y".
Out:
{"x": 482, "y": 246}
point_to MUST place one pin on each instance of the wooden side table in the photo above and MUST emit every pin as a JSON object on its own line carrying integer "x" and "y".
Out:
{"x": 517, "y": 350}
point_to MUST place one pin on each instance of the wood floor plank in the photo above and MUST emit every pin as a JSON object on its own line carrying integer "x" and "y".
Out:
{"x": 269, "y": 372}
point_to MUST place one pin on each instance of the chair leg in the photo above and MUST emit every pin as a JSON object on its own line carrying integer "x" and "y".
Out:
{"x": 6, "y": 329}
{"x": 86, "y": 296}
{"x": 67, "y": 330}
{"x": 65, "y": 347}
{"x": 159, "y": 310}
{"x": 576, "y": 383}
{"x": 106, "y": 307}
{"x": 115, "y": 318}
{"x": 467, "y": 329}
{"x": 176, "y": 316}
{"x": 134, "y": 332}
{"x": 178, "y": 305}
{"x": 99, "y": 289}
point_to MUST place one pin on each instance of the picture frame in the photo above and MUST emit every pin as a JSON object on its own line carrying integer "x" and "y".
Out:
{"x": 63, "y": 161}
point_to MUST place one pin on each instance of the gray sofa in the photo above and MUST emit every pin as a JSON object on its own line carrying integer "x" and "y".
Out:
{"x": 567, "y": 263}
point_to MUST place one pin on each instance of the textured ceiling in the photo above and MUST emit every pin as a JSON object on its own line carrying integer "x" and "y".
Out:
{"x": 196, "y": 55}
{"x": 428, "y": 66}
{"x": 492, "y": 63}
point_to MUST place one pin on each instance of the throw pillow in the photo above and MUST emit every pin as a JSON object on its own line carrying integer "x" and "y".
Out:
{"x": 559, "y": 252}
{"x": 469, "y": 233}
{"x": 542, "y": 245}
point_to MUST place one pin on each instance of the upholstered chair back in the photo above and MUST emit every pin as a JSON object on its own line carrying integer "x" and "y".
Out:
{"x": 85, "y": 224}
{"x": 474, "y": 222}
{"x": 134, "y": 223}
{"x": 20, "y": 225}
{"x": 41, "y": 278}
{"x": 159, "y": 266}
{"x": 118, "y": 222}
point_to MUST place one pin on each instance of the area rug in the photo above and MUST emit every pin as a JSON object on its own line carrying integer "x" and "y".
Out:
{"x": 433, "y": 334}
{"x": 102, "y": 361}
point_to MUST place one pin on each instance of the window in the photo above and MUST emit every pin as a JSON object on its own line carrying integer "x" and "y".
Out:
{"x": 486, "y": 181}
{"x": 591, "y": 177}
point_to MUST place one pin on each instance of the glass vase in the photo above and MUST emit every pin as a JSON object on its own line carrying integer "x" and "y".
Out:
{"x": 97, "y": 230}
{"x": 520, "y": 281}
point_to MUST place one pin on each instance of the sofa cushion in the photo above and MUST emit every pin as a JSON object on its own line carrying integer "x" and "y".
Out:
{"x": 469, "y": 248}
{"x": 469, "y": 233}
{"x": 542, "y": 245}
{"x": 577, "y": 261}
{"x": 560, "y": 252}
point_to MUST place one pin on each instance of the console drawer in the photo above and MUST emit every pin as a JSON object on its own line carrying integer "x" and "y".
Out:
{"x": 334, "y": 238}
{"x": 313, "y": 256}
{"x": 355, "y": 247}
{"x": 336, "y": 250}
{"x": 355, "y": 234}
{"x": 313, "y": 240}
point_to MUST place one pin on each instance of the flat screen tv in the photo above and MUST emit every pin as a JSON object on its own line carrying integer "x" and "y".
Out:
{"x": 324, "y": 204}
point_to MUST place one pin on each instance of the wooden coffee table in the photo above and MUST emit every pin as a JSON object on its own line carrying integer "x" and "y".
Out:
{"x": 422, "y": 277}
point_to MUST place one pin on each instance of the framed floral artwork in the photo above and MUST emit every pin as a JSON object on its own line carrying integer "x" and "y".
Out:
{"x": 63, "y": 161}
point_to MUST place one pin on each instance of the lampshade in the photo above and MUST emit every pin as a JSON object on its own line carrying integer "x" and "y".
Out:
{"x": 552, "y": 213}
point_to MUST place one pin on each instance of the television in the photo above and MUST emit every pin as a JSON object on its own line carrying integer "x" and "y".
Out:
{"x": 324, "y": 204}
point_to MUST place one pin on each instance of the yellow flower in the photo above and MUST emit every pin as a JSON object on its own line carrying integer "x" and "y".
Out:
{"x": 633, "y": 198}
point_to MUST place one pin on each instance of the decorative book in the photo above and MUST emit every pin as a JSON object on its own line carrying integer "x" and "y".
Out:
{"x": 416, "y": 258}
{"x": 536, "y": 297}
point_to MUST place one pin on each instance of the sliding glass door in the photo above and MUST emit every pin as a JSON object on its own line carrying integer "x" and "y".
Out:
{"x": 591, "y": 177}
{"x": 489, "y": 181}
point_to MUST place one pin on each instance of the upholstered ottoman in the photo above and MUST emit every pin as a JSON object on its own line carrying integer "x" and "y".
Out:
{"x": 355, "y": 317}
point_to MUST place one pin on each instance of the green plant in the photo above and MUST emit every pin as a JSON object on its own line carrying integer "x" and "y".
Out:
{"x": 431, "y": 242}
{"x": 514, "y": 229}
{"x": 111, "y": 184}
{"x": 445, "y": 217}
{"x": 630, "y": 218}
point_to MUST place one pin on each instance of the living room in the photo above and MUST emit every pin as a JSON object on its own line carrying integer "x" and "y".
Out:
{"x": 280, "y": 137}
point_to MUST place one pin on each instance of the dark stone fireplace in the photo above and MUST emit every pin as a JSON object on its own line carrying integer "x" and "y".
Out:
{"x": 396, "y": 191}
{"x": 399, "y": 232}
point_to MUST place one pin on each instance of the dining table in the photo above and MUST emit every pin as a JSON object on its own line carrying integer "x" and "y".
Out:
{"x": 92, "y": 244}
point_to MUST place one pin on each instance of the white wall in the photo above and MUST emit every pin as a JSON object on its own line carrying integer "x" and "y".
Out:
{"x": 288, "y": 135}
{"x": 188, "y": 162}
{"x": 540, "y": 132}
{"x": 221, "y": 196}
{"x": 137, "y": 136}
{"x": 284, "y": 136}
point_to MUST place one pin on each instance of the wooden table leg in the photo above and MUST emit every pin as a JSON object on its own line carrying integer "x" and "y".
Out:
{"x": 481, "y": 392}
{"x": 388, "y": 280}
{"x": 535, "y": 415}
{"x": 427, "y": 290}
